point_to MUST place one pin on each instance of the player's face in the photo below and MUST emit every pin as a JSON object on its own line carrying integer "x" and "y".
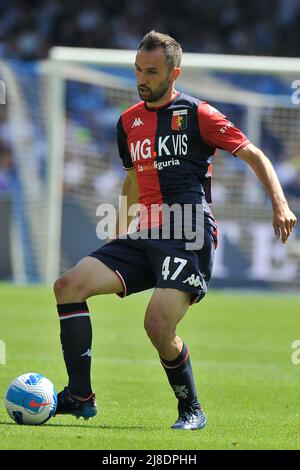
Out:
{"x": 155, "y": 81}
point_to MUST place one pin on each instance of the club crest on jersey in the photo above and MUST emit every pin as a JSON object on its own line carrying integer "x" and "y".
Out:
{"x": 179, "y": 120}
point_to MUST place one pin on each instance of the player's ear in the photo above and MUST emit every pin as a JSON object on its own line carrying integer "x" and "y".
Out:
{"x": 176, "y": 73}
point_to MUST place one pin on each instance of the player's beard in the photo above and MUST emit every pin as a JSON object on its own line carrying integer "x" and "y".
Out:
{"x": 154, "y": 95}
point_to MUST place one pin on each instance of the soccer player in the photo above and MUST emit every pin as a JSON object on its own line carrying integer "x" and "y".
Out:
{"x": 166, "y": 143}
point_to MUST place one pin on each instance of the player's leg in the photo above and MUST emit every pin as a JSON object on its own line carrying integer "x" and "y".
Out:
{"x": 165, "y": 310}
{"x": 182, "y": 277}
{"x": 117, "y": 267}
{"x": 89, "y": 277}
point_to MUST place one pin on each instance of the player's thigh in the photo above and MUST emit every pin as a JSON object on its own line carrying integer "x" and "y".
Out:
{"x": 127, "y": 259}
{"x": 87, "y": 278}
{"x": 166, "y": 308}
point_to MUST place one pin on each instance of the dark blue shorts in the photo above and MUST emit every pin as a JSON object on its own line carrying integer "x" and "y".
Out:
{"x": 144, "y": 263}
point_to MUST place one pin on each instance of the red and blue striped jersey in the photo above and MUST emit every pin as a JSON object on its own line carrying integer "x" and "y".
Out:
{"x": 171, "y": 149}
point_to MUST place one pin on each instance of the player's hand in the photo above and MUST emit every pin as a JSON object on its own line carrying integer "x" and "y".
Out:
{"x": 284, "y": 221}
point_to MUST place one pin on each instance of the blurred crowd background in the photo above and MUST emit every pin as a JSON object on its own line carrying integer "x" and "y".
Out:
{"x": 28, "y": 28}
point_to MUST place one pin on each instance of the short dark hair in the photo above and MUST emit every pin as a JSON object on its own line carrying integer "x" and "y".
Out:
{"x": 172, "y": 49}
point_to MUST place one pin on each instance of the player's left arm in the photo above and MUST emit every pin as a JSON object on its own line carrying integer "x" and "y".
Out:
{"x": 284, "y": 220}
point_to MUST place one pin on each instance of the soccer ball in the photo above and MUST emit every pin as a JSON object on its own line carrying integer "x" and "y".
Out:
{"x": 31, "y": 399}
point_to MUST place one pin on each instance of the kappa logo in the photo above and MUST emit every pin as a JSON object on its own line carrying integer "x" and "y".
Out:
{"x": 137, "y": 122}
{"x": 193, "y": 281}
{"x": 88, "y": 353}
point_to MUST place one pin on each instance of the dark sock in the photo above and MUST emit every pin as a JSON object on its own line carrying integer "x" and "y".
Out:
{"x": 76, "y": 341}
{"x": 180, "y": 375}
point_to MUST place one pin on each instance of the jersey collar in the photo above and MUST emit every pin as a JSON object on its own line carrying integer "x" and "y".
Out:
{"x": 164, "y": 105}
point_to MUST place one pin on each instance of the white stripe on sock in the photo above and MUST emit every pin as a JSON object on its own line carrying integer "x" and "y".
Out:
{"x": 75, "y": 316}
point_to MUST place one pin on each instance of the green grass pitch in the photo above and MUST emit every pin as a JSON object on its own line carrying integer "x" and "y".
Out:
{"x": 241, "y": 352}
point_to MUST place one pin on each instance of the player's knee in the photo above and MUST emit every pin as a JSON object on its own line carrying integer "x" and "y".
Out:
{"x": 61, "y": 285}
{"x": 157, "y": 330}
{"x": 67, "y": 286}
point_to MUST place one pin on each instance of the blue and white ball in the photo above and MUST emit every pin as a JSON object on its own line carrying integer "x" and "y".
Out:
{"x": 31, "y": 399}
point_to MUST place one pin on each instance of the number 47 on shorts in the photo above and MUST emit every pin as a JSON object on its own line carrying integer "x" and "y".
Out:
{"x": 192, "y": 280}
{"x": 166, "y": 267}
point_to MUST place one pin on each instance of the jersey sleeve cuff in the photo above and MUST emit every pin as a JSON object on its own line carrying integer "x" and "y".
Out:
{"x": 241, "y": 146}
{"x": 127, "y": 169}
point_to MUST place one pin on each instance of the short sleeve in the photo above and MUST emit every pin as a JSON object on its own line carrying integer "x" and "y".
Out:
{"x": 217, "y": 131}
{"x": 123, "y": 147}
